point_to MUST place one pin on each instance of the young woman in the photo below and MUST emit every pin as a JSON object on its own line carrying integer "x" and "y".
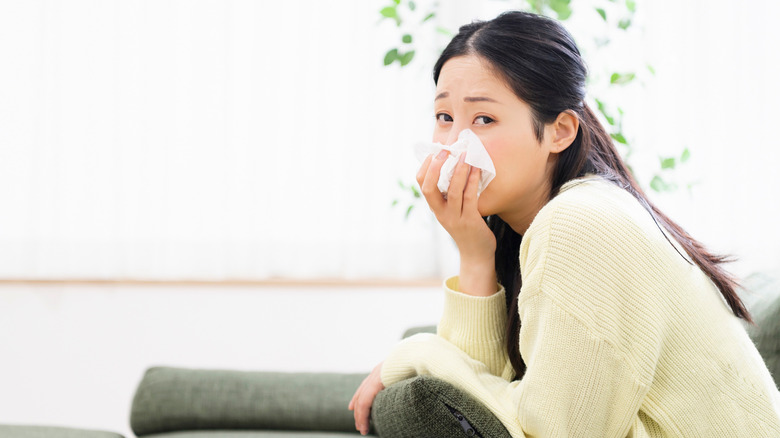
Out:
{"x": 580, "y": 308}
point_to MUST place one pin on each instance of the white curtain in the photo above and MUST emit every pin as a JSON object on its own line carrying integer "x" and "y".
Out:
{"x": 716, "y": 92}
{"x": 250, "y": 140}
{"x": 208, "y": 140}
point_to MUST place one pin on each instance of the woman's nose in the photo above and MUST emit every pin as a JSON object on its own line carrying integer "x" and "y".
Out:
{"x": 455, "y": 131}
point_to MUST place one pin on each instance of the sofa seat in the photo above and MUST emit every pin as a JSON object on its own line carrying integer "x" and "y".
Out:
{"x": 252, "y": 434}
{"x": 24, "y": 431}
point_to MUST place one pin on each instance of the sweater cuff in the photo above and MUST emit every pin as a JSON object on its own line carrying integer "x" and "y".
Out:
{"x": 471, "y": 320}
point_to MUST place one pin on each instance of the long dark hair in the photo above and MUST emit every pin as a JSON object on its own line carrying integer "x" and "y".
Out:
{"x": 540, "y": 62}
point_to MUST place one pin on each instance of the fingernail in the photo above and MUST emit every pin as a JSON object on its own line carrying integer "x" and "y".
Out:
{"x": 443, "y": 154}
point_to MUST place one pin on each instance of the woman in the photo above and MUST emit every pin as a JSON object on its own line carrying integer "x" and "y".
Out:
{"x": 580, "y": 308}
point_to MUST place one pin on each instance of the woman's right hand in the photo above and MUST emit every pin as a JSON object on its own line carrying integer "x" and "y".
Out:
{"x": 458, "y": 214}
{"x": 364, "y": 397}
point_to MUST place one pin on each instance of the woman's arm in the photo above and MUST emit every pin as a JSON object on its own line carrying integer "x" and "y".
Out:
{"x": 576, "y": 384}
{"x": 477, "y": 325}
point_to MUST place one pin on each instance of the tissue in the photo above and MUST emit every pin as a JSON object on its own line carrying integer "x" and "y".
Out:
{"x": 476, "y": 155}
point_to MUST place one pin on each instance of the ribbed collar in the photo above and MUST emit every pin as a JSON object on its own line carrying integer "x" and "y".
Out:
{"x": 577, "y": 181}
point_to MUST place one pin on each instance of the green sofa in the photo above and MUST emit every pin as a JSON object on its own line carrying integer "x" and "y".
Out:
{"x": 198, "y": 403}
{"x": 191, "y": 403}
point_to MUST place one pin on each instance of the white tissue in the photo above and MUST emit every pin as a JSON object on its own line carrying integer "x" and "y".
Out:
{"x": 476, "y": 155}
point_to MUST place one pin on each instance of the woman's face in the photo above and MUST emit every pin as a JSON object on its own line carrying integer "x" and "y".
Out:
{"x": 470, "y": 96}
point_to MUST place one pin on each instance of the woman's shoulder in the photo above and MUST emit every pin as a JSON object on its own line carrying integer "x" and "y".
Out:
{"x": 593, "y": 203}
{"x": 600, "y": 236}
{"x": 594, "y": 216}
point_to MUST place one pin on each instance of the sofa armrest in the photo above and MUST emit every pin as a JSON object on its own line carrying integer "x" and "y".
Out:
{"x": 426, "y": 406}
{"x": 170, "y": 399}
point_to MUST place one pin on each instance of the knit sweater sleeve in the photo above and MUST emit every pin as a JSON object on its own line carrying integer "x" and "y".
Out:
{"x": 584, "y": 391}
{"x": 588, "y": 336}
{"x": 477, "y": 325}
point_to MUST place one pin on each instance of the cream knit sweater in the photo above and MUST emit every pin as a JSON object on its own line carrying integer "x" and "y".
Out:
{"x": 621, "y": 336}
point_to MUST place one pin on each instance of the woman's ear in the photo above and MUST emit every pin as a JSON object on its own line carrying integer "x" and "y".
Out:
{"x": 564, "y": 131}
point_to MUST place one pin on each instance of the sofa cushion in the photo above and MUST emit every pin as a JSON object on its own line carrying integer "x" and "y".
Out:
{"x": 252, "y": 434}
{"x": 22, "y": 431}
{"x": 419, "y": 329}
{"x": 766, "y": 333}
{"x": 426, "y": 406}
{"x": 177, "y": 399}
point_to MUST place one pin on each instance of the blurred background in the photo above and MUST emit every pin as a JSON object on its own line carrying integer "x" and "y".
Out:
{"x": 227, "y": 184}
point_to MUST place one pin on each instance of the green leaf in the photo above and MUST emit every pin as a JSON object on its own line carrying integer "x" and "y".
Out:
{"x": 535, "y": 5}
{"x": 631, "y": 5}
{"x": 668, "y": 163}
{"x": 603, "y": 111}
{"x": 564, "y": 14}
{"x": 428, "y": 17}
{"x": 395, "y": 202}
{"x": 409, "y": 210}
{"x": 401, "y": 184}
{"x": 406, "y": 58}
{"x": 406, "y": 38}
{"x": 657, "y": 184}
{"x": 445, "y": 32}
{"x": 686, "y": 155}
{"x": 391, "y": 56}
{"x": 397, "y": 2}
{"x": 621, "y": 79}
{"x": 415, "y": 192}
{"x": 389, "y": 12}
{"x": 561, "y": 8}
{"x": 619, "y": 138}
{"x": 624, "y": 23}
{"x": 412, "y": 6}
{"x": 603, "y": 13}
{"x": 651, "y": 69}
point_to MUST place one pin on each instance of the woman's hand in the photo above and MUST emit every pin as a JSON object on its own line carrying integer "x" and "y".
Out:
{"x": 364, "y": 398}
{"x": 458, "y": 214}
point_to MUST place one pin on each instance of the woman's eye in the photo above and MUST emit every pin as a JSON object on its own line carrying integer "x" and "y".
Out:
{"x": 443, "y": 117}
{"x": 483, "y": 120}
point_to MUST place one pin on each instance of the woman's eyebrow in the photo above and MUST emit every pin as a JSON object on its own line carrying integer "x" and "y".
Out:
{"x": 467, "y": 99}
{"x": 479, "y": 99}
{"x": 442, "y": 95}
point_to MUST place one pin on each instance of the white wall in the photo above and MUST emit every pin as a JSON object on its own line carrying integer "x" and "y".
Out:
{"x": 73, "y": 355}
{"x": 208, "y": 140}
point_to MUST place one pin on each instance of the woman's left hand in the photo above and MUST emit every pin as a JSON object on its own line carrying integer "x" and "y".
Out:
{"x": 364, "y": 398}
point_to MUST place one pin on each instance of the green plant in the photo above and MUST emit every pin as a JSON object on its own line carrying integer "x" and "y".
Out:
{"x": 405, "y": 14}
{"x": 411, "y": 190}
{"x": 617, "y": 15}
{"x": 663, "y": 180}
